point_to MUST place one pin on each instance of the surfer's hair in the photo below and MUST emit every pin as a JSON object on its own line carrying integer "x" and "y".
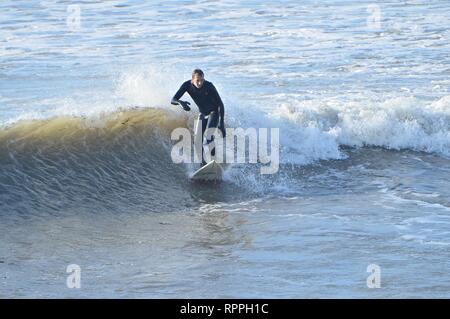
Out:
{"x": 199, "y": 72}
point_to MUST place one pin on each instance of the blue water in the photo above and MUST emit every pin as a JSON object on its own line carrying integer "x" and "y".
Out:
{"x": 363, "y": 109}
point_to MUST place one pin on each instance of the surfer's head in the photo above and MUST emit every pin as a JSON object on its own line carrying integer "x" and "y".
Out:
{"x": 198, "y": 78}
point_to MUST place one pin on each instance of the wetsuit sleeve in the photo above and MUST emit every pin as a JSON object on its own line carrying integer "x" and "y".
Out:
{"x": 219, "y": 102}
{"x": 180, "y": 92}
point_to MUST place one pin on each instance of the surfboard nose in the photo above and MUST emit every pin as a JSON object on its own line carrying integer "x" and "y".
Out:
{"x": 212, "y": 171}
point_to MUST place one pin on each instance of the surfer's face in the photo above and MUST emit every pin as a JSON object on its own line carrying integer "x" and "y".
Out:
{"x": 198, "y": 80}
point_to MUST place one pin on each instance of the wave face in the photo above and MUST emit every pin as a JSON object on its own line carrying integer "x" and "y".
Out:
{"x": 67, "y": 163}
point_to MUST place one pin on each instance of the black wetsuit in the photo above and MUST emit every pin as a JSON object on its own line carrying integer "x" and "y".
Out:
{"x": 209, "y": 104}
{"x": 207, "y": 98}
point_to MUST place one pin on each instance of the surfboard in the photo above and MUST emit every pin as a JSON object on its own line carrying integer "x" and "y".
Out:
{"x": 212, "y": 171}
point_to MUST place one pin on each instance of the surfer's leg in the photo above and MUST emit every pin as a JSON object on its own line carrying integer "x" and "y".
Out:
{"x": 203, "y": 121}
{"x": 199, "y": 130}
{"x": 213, "y": 122}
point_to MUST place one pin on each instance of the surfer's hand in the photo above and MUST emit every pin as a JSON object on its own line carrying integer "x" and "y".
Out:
{"x": 185, "y": 105}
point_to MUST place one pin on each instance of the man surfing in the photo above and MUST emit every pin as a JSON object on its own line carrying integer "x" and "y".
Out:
{"x": 209, "y": 104}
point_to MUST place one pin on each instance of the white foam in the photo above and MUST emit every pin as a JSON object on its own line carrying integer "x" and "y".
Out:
{"x": 395, "y": 123}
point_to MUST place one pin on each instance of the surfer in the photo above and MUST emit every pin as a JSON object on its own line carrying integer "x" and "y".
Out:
{"x": 209, "y": 104}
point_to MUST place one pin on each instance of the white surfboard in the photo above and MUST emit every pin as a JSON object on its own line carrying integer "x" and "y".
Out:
{"x": 212, "y": 171}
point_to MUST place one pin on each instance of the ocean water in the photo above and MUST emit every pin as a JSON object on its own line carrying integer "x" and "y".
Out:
{"x": 359, "y": 91}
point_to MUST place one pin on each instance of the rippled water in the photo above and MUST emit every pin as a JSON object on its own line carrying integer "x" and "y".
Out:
{"x": 86, "y": 176}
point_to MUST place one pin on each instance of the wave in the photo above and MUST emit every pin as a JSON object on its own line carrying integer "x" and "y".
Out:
{"x": 87, "y": 149}
{"x": 55, "y": 163}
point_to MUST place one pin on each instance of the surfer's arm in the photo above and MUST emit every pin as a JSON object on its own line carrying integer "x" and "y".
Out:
{"x": 176, "y": 98}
